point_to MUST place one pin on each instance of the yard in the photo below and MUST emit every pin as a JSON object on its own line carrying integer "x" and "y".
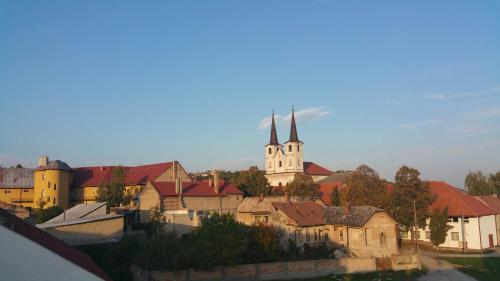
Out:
{"x": 487, "y": 268}
{"x": 382, "y": 276}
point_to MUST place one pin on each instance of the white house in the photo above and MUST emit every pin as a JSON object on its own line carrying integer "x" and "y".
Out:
{"x": 476, "y": 231}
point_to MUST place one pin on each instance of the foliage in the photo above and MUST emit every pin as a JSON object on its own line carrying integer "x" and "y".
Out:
{"x": 365, "y": 188}
{"x": 44, "y": 215}
{"x": 335, "y": 197}
{"x": 439, "y": 226}
{"x": 481, "y": 268}
{"x": 113, "y": 191}
{"x": 494, "y": 180}
{"x": 303, "y": 186}
{"x": 477, "y": 183}
{"x": 277, "y": 191}
{"x": 264, "y": 243}
{"x": 409, "y": 188}
{"x": 252, "y": 182}
{"x": 156, "y": 221}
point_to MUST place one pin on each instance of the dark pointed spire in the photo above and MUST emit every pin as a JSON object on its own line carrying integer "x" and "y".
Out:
{"x": 274, "y": 136}
{"x": 293, "y": 129}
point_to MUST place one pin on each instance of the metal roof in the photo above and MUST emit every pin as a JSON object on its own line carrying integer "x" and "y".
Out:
{"x": 16, "y": 178}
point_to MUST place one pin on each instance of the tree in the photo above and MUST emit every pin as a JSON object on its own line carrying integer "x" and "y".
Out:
{"x": 303, "y": 186}
{"x": 156, "y": 221}
{"x": 264, "y": 243}
{"x": 252, "y": 182}
{"x": 48, "y": 214}
{"x": 365, "y": 188}
{"x": 494, "y": 180}
{"x": 477, "y": 183}
{"x": 113, "y": 191}
{"x": 409, "y": 188}
{"x": 335, "y": 197}
{"x": 439, "y": 226}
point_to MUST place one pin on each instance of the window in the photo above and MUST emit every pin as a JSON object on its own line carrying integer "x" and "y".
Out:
{"x": 280, "y": 163}
{"x": 6, "y": 191}
{"x": 26, "y": 190}
{"x": 298, "y": 147}
{"x": 341, "y": 235}
{"x": 270, "y": 151}
{"x": 383, "y": 239}
{"x": 48, "y": 198}
{"x": 48, "y": 184}
{"x": 326, "y": 236}
{"x": 427, "y": 235}
{"x": 315, "y": 235}
{"x": 466, "y": 220}
{"x": 43, "y": 177}
{"x": 54, "y": 201}
{"x": 55, "y": 186}
{"x": 454, "y": 236}
{"x": 453, "y": 220}
{"x": 308, "y": 237}
{"x": 289, "y": 148}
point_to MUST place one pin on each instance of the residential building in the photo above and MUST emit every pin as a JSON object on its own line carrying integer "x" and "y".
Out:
{"x": 494, "y": 203}
{"x": 29, "y": 253}
{"x": 283, "y": 162}
{"x": 16, "y": 186}
{"x": 86, "y": 224}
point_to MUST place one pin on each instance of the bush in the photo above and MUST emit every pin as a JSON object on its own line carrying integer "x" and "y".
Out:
{"x": 44, "y": 215}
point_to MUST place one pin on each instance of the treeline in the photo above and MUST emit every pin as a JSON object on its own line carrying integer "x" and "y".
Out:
{"x": 477, "y": 183}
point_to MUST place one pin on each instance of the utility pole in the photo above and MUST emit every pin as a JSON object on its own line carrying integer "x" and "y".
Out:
{"x": 415, "y": 233}
{"x": 464, "y": 242}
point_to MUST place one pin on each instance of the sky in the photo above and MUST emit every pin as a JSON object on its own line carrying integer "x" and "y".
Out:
{"x": 382, "y": 83}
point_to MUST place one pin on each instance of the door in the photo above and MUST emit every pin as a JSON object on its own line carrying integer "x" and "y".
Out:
{"x": 490, "y": 238}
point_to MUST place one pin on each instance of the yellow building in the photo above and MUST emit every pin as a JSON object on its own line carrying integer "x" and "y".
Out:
{"x": 16, "y": 186}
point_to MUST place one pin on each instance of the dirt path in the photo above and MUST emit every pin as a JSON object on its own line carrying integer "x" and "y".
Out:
{"x": 441, "y": 270}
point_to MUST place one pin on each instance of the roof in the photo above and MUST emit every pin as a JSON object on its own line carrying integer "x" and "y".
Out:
{"x": 52, "y": 244}
{"x": 294, "y": 137}
{"x": 88, "y": 219}
{"x": 195, "y": 189}
{"x": 55, "y": 165}
{"x": 306, "y": 213}
{"x": 457, "y": 201}
{"x": 492, "y": 202}
{"x": 335, "y": 177}
{"x": 274, "y": 137}
{"x": 79, "y": 211}
{"x": 311, "y": 168}
{"x": 357, "y": 217}
{"x": 326, "y": 190}
{"x": 261, "y": 204}
{"x": 16, "y": 178}
{"x": 136, "y": 175}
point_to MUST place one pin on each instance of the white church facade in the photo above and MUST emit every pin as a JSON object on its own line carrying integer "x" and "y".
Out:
{"x": 283, "y": 162}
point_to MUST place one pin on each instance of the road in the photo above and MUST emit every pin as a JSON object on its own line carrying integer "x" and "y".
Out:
{"x": 440, "y": 270}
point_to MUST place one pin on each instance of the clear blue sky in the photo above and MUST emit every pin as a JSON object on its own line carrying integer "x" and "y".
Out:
{"x": 384, "y": 83}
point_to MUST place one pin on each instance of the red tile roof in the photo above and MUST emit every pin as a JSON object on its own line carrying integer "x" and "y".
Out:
{"x": 195, "y": 189}
{"x": 305, "y": 213}
{"x": 492, "y": 202}
{"x": 52, "y": 244}
{"x": 313, "y": 169}
{"x": 137, "y": 175}
{"x": 326, "y": 189}
{"x": 457, "y": 200}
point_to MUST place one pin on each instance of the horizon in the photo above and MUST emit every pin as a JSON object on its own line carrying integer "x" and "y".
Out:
{"x": 384, "y": 84}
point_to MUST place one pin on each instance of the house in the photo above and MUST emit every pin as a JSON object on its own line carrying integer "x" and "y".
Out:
{"x": 471, "y": 219}
{"x": 494, "y": 203}
{"x": 16, "y": 186}
{"x": 184, "y": 203}
{"x": 86, "y": 224}
{"x": 283, "y": 162}
{"x": 364, "y": 230}
{"x": 29, "y": 253}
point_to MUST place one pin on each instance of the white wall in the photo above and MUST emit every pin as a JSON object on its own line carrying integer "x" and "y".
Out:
{"x": 487, "y": 224}
{"x": 24, "y": 260}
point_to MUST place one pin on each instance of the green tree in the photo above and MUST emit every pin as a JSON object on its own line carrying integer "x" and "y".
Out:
{"x": 156, "y": 221}
{"x": 409, "y": 188}
{"x": 303, "y": 186}
{"x": 335, "y": 197}
{"x": 439, "y": 226}
{"x": 113, "y": 191}
{"x": 252, "y": 182}
{"x": 477, "y": 183}
{"x": 44, "y": 215}
{"x": 365, "y": 188}
{"x": 264, "y": 243}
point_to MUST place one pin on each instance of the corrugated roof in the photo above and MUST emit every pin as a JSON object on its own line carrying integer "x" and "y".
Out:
{"x": 357, "y": 217}
{"x": 81, "y": 220}
{"x": 195, "y": 189}
{"x": 17, "y": 178}
{"x": 306, "y": 213}
{"x": 79, "y": 211}
{"x": 53, "y": 244}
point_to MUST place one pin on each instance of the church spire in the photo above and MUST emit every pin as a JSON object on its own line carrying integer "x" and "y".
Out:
{"x": 293, "y": 129}
{"x": 274, "y": 136}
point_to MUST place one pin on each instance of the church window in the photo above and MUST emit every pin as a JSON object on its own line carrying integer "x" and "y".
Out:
{"x": 289, "y": 148}
{"x": 55, "y": 186}
{"x": 280, "y": 164}
{"x": 270, "y": 151}
{"x": 298, "y": 147}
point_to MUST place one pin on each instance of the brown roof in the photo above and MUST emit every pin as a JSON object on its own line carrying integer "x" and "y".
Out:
{"x": 357, "y": 216}
{"x": 263, "y": 205}
{"x": 52, "y": 244}
{"x": 195, "y": 189}
{"x": 313, "y": 169}
{"x": 306, "y": 213}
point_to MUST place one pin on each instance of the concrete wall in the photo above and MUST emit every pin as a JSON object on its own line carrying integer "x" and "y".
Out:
{"x": 487, "y": 226}
{"x": 226, "y": 204}
{"x": 25, "y": 260}
{"x": 88, "y": 233}
{"x": 277, "y": 270}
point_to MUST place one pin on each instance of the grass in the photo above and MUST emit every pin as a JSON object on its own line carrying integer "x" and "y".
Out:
{"x": 487, "y": 268}
{"x": 409, "y": 275}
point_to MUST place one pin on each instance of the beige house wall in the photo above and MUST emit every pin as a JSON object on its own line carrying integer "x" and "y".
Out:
{"x": 225, "y": 204}
{"x": 148, "y": 198}
{"x": 168, "y": 175}
{"x": 89, "y": 232}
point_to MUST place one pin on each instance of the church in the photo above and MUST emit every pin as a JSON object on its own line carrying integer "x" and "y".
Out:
{"x": 283, "y": 162}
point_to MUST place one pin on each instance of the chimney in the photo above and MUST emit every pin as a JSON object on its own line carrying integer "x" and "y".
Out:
{"x": 43, "y": 161}
{"x": 216, "y": 182}
{"x": 210, "y": 183}
{"x": 178, "y": 186}
{"x": 174, "y": 171}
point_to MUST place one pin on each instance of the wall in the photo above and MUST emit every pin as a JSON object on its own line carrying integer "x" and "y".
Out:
{"x": 18, "y": 196}
{"x": 148, "y": 199}
{"x": 167, "y": 176}
{"x": 228, "y": 203}
{"x": 88, "y": 233}
{"x": 45, "y": 181}
{"x": 27, "y": 260}
{"x": 497, "y": 221}
{"x": 283, "y": 178}
{"x": 371, "y": 232}
{"x": 487, "y": 225}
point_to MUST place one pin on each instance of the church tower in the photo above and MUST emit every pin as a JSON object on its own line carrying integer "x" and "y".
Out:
{"x": 274, "y": 152}
{"x": 294, "y": 150}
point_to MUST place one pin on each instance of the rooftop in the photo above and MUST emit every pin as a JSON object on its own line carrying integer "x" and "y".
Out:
{"x": 357, "y": 216}
{"x": 305, "y": 213}
{"x": 16, "y": 178}
{"x": 195, "y": 189}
